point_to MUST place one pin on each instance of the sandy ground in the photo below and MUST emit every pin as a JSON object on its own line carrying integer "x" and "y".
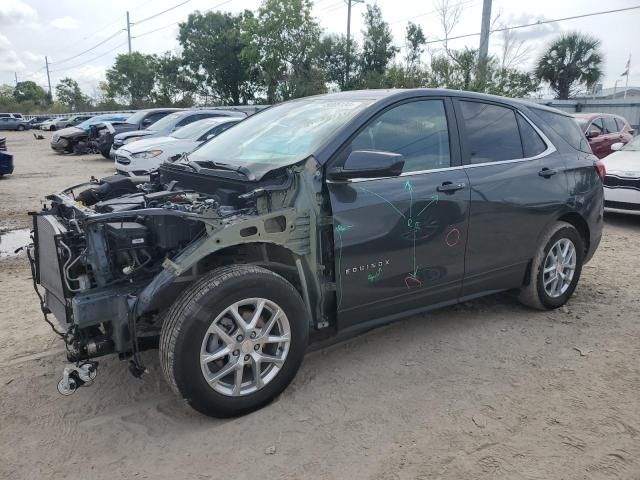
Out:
{"x": 483, "y": 390}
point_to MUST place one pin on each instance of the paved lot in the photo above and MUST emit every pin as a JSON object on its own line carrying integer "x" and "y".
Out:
{"x": 483, "y": 390}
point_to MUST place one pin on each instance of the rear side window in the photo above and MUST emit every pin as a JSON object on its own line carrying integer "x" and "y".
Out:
{"x": 491, "y": 132}
{"x": 610, "y": 125}
{"x": 566, "y": 127}
{"x": 532, "y": 143}
{"x": 597, "y": 125}
{"x": 620, "y": 124}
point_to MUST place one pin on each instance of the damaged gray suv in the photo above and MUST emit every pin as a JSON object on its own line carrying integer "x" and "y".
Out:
{"x": 316, "y": 218}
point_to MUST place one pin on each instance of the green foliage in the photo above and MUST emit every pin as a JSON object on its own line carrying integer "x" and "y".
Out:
{"x": 31, "y": 92}
{"x": 69, "y": 94}
{"x": 283, "y": 41}
{"x": 570, "y": 63}
{"x": 212, "y": 46}
{"x": 132, "y": 79}
{"x": 377, "y": 47}
{"x": 174, "y": 85}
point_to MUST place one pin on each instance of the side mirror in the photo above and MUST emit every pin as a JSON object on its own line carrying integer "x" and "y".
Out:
{"x": 617, "y": 146}
{"x": 593, "y": 134}
{"x": 146, "y": 122}
{"x": 368, "y": 164}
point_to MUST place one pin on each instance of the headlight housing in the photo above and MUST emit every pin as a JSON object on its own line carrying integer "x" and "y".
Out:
{"x": 147, "y": 154}
{"x": 132, "y": 139}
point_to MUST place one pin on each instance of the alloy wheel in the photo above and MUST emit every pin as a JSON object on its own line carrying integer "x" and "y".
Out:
{"x": 559, "y": 268}
{"x": 245, "y": 347}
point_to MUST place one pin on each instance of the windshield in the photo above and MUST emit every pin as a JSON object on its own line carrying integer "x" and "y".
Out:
{"x": 137, "y": 117}
{"x": 633, "y": 145}
{"x": 194, "y": 130}
{"x": 165, "y": 122}
{"x": 280, "y": 135}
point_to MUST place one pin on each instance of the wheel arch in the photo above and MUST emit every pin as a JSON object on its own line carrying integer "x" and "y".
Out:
{"x": 580, "y": 224}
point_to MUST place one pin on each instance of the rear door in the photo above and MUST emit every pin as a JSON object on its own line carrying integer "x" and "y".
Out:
{"x": 399, "y": 241}
{"x": 517, "y": 186}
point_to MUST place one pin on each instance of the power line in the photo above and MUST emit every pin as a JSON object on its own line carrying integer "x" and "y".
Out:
{"x": 88, "y": 49}
{"x": 161, "y": 13}
{"x": 540, "y": 22}
{"x": 469, "y": 3}
{"x": 91, "y": 60}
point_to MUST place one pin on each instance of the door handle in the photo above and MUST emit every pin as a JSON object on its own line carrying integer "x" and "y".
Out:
{"x": 450, "y": 187}
{"x": 547, "y": 172}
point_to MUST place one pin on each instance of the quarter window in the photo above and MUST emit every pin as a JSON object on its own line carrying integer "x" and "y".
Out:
{"x": 417, "y": 130}
{"x": 532, "y": 143}
{"x": 491, "y": 132}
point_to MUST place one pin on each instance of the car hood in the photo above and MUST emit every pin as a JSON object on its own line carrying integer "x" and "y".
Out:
{"x": 70, "y": 132}
{"x": 135, "y": 133}
{"x": 626, "y": 162}
{"x": 160, "y": 143}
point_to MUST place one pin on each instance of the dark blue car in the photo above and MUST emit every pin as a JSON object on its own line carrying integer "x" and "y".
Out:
{"x": 6, "y": 163}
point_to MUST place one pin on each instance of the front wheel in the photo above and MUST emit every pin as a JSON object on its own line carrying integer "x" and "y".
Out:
{"x": 52, "y": 128}
{"x": 20, "y": 128}
{"x": 556, "y": 268}
{"x": 234, "y": 340}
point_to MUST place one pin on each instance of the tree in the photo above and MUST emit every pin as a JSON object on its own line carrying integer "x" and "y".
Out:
{"x": 283, "y": 41}
{"x": 332, "y": 53}
{"x": 415, "y": 42}
{"x": 174, "y": 86}
{"x": 69, "y": 94}
{"x": 377, "y": 47}
{"x": 449, "y": 16}
{"x": 29, "y": 91}
{"x": 571, "y": 62}
{"x": 132, "y": 78}
{"x": 212, "y": 46}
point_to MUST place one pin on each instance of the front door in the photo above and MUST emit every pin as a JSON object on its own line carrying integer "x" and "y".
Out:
{"x": 400, "y": 242}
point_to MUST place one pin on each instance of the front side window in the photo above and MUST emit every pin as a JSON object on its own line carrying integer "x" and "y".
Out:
{"x": 597, "y": 125}
{"x": 416, "y": 130}
{"x": 491, "y": 132}
{"x": 620, "y": 124}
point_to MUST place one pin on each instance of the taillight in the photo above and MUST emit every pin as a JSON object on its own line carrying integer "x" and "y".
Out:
{"x": 602, "y": 170}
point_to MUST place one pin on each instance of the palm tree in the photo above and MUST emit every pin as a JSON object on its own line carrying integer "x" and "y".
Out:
{"x": 569, "y": 62}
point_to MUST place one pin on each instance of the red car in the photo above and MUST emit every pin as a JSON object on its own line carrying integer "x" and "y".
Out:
{"x": 603, "y": 130}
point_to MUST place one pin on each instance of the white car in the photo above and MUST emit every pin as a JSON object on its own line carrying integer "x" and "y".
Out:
{"x": 142, "y": 157}
{"x": 51, "y": 124}
{"x": 622, "y": 181}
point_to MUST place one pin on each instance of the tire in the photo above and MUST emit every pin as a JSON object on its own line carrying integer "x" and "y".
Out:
{"x": 52, "y": 128}
{"x": 187, "y": 335}
{"x": 20, "y": 128}
{"x": 534, "y": 294}
{"x": 105, "y": 154}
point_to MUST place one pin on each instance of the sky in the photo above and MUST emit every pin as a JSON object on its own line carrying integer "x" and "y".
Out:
{"x": 63, "y": 29}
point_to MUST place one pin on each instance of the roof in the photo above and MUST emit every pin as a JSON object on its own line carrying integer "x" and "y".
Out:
{"x": 401, "y": 93}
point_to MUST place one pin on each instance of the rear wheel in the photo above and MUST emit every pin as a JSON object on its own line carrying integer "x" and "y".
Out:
{"x": 234, "y": 340}
{"x": 52, "y": 128}
{"x": 20, "y": 128}
{"x": 556, "y": 268}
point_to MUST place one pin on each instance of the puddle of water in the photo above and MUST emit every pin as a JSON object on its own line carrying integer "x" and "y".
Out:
{"x": 13, "y": 239}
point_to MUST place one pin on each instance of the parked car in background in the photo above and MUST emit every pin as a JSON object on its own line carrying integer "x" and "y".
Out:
{"x": 36, "y": 122}
{"x": 72, "y": 121}
{"x": 11, "y": 115}
{"x": 170, "y": 123}
{"x": 622, "y": 182}
{"x": 145, "y": 156}
{"x": 140, "y": 120}
{"x": 50, "y": 125}
{"x": 603, "y": 130}
{"x": 325, "y": 215}
{"x": 11, "y": 123}
{"x": 76, "y": 139}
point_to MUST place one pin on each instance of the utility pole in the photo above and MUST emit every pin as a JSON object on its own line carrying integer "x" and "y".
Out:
{"x": 348, "y": 62}
{"x": 16, "y": 76}
{"x": 129, "y": 32}
{"x": 484, "y": 40}
{"x": 46, "y": 63}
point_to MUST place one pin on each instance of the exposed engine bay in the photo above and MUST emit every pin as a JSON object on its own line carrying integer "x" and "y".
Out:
{"x": 112, "y": 255}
